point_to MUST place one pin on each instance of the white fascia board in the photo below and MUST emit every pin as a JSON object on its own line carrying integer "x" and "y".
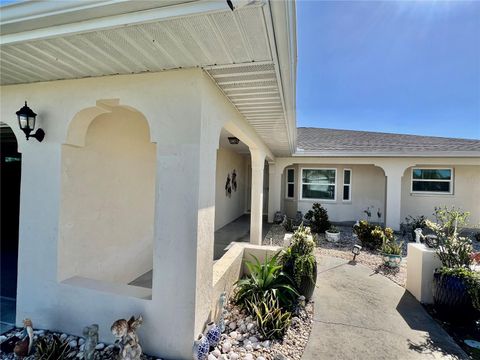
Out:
{"x": 110, "y": 22}
{"x": 281, "y": 21}
{"x": 434, "y": 154}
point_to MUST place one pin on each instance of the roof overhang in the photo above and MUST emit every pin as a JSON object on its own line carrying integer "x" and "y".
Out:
{"x": 250, "y": 52}
{"x": 424, "y": 154}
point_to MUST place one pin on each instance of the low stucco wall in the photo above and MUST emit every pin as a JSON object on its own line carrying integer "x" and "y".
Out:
{"x": 466, "y": 194}
{"x": 231, "y": 267}
{"x": 368, "y": 189}
{"x": 229, "y": 207}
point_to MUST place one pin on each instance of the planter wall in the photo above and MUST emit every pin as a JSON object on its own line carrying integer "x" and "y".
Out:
{"x": 421, "y": 264}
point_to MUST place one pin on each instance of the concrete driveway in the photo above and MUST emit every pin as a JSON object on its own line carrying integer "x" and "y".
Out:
{"x": 363, "y": 315}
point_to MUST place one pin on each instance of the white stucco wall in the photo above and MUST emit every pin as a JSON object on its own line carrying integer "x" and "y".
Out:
{"x": 228, "y": 208}
{"x": 185, "y": 112}
{"x": 108, "y": 199}
{"x": 466, "y": 194}
{"x": 368, "y": 189}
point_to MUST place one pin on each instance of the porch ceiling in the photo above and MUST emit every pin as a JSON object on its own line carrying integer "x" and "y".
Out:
{"x": 237, "y": 49}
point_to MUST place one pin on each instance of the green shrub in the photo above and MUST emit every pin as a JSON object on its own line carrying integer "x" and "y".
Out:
{"x": 298, "y": 259}
{"x": 470, "y": 278}
{"x": 51, "y": 349}
{"x": 448, "y": 222}
{"x": 371, "y": 236}
{"x": 318, "y": 218}
{"x": 272, "y": 321}
{"x": 265, "y": 280}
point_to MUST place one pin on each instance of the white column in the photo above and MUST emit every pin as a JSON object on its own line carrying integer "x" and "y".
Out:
{"x": 274, "y": 189}
{"x": 256, "y": 208}
{"x": 393, "y": 200}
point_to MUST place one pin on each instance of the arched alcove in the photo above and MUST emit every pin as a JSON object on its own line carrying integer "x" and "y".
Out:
{"x": 108, "y": 196}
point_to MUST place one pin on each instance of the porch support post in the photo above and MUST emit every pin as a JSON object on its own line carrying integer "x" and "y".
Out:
{"x": 393, "y": 199}
{"x": 256, "y": 211}
{"x": 274, "y": 189}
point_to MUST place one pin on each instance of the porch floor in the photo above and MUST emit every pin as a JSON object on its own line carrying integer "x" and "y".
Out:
{"x": 236, "y": 231}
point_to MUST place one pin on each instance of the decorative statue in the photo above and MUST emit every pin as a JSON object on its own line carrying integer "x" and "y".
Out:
{"x": 418, "y": 235}
{"x": 23, "y": 347}
{"x": 221, "y": 319}
{"x": 234, "y": 180}
{"x": 125, "y": 333}
{"x": 228, "y": 186}
{"x": 91, "y": 341}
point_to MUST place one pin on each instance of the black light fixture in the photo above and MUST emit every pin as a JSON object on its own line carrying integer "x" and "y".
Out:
{"x": 233, "y": 140}
{"x": 356, "y": 250}
{"x": 26, "y": 121}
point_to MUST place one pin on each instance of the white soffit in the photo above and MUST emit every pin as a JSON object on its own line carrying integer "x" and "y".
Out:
{"x": 236, "y": 48}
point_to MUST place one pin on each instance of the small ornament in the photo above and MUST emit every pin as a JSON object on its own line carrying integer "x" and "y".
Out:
{"x": 125, "y": 333}
{"x": 91, "y": 340}
{"x": 201, "y": 346}
{"x": 221, "y": 320}
{"x": 213, "y": 334}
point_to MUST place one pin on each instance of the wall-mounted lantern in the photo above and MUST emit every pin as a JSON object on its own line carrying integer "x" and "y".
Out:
{"x": 26, "y": 121}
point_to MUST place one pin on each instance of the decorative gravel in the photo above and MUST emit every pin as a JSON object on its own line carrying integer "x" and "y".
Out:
{"x": 343, "y": 249}
{"x": 241, "y": 339}
{"x": 76, "y": 344}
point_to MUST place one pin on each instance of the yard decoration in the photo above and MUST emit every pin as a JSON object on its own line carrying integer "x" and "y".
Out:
{"x": 23, "y": 347}
{"x": 201, "y": 347}
{"x": 125, "y": 333}
{"x": 91, "y": 340}
{"x": 213, "y": 334}
{"x": 222, "y": 311}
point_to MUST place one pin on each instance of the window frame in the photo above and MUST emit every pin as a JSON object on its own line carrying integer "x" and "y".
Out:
{"x": 314, "y": 199}
{"x": 288, "y": 183}
{"x": 451, "y": 181}
{"x": 349, "y": 185}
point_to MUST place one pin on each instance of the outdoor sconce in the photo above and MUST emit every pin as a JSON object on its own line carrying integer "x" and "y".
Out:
{"x": 26, "y": 121}
{"x": 356, "y": 250}
{"x": 233, "y": 140}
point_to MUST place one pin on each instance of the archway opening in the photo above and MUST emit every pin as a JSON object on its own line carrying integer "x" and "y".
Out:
{"x": 11, "y": 168}
{"x": 108, "y": 201}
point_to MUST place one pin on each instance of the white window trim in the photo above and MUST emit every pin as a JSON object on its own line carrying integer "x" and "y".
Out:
{"x": 435, "y": 180}
{"x": 313, "y": 199}
{"x": 288, "y": 183}
{"x": 349, "y": 185}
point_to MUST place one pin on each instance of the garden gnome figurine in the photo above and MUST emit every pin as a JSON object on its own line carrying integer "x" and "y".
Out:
{"x": 91, "y": 341}
{"x": 23, "y": 347}
{"x": 125, "y": 333}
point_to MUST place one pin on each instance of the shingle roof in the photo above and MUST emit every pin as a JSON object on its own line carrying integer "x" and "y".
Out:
{"x": 343, "y": 142}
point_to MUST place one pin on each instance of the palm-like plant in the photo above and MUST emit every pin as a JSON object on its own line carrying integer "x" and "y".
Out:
{"x": 266, "y": 280}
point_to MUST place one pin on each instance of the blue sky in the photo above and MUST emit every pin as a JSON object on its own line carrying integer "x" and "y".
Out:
{"x": 392, "y": 66}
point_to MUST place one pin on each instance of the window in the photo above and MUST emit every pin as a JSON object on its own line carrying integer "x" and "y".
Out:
{"x": 290, "y": 190}
{"x": 432, "y": 181}
{"x": 347, "y": 185}
{"x": 319, "y": 184}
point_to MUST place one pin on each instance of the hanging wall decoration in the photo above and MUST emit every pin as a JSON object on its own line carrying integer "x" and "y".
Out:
{"x": 234, "y": 180}
{"x": 228, "y": 187}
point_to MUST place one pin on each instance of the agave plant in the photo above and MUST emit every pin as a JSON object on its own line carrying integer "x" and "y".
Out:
{"x": 265, "y": 280}
{"x": 51, "y": 349}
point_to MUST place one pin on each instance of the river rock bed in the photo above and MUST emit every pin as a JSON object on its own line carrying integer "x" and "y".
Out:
{"x": 76, "y": 343}
{"x": 241, "y": 339}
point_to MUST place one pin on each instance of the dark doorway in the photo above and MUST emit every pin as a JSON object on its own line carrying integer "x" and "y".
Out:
{"x": 10, "y": 169}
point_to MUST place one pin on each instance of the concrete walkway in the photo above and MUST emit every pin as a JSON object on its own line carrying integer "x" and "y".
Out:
{"x": 363, "y": 315}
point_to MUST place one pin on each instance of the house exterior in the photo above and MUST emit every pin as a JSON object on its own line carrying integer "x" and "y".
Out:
{"x": 142, "y": 104}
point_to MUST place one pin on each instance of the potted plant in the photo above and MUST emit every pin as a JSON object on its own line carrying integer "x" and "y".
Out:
{"x": 299, "y": 261}
{"x": 333, "y": 234}
{"x": 456, "y": 288}
{"x": 391, "y": 252}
